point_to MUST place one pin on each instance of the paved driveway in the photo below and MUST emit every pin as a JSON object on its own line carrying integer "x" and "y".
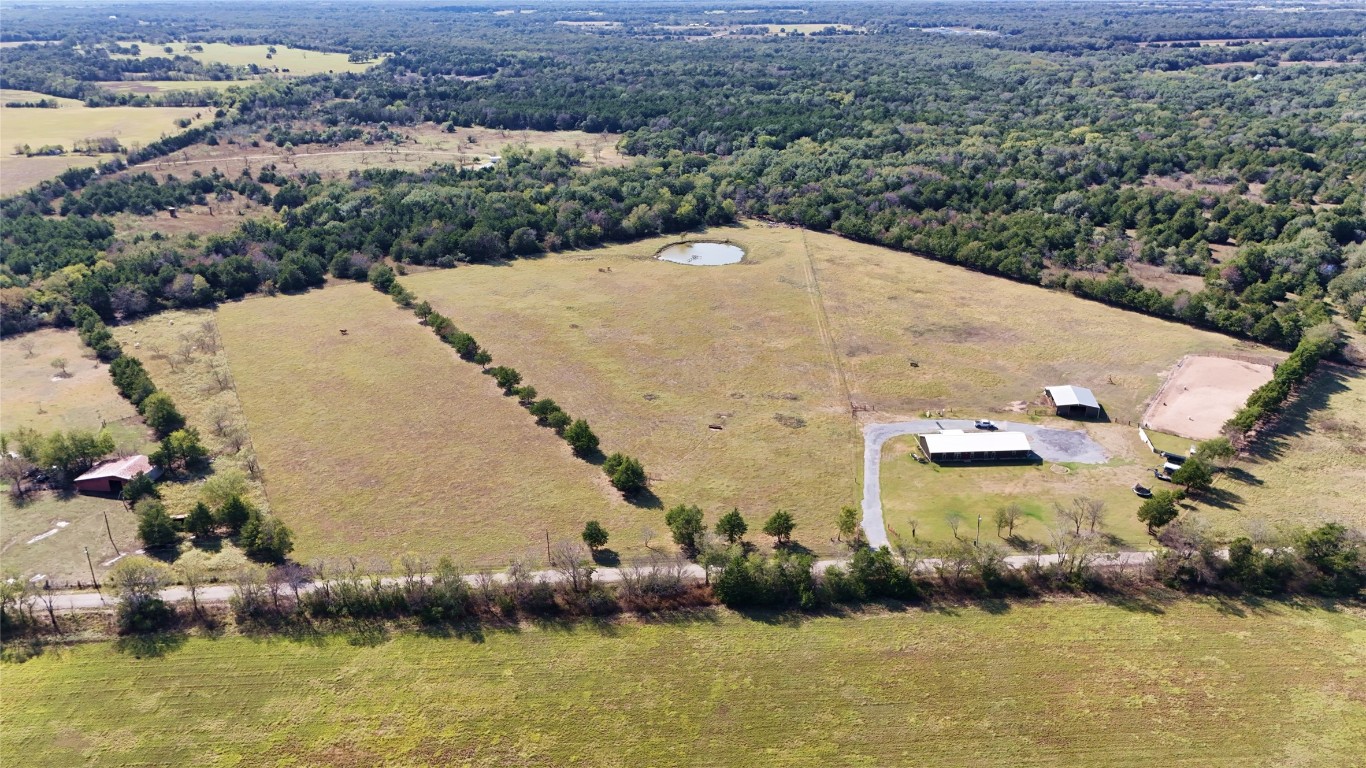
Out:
{"x": 1049, "y": 443}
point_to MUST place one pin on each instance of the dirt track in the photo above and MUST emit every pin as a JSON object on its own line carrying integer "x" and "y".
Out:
{"x": 1203, "y": 393}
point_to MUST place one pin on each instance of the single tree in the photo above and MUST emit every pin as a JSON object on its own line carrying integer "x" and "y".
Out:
{"x": 161, "y": 414}
{"x": 594, "y": 535}
{"x": 955, "y": 520}
{"x": 685, "y": 522}
{"x": 139, "y": 487}
{"x": 627, "y": 474}
{"x": 780, "y": 526}
{"x": 558, "y": 421}
{"x": 1217, "y": 451}
{"x": 27, "y": 345}
{"x": 1008, "y": 517}
{"x": 266, "y": 539}
{"x": 1196, "y": 474}
{"x": 155, "y": 528}
{"x": 581, "y": 439}
{"x": 482, "y": 358}
{"x": 222, "y": 486}
{"x": 848, "y": 523}
{"x": 234, "y": 514}
{"x": 60, "y": 364}
{"x": 193, "y": 570}
{"x": 1158, "y": 510}
{"x": 14, "y": 468}
{"x": 1095, "y": 513}
{"x": 180, "y": 450}
{"x": 200, "y": 522}
{"x": 732, "y": 526}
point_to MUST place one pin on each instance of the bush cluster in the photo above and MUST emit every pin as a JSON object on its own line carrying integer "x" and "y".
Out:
{"x": 1267, "y": 399}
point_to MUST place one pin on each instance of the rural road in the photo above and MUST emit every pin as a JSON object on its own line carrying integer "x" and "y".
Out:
{"x": 1050, "y": 444}
{"x": 221, "y": 593}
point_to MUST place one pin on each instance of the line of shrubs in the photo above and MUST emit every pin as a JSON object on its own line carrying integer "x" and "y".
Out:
{"x": 626, "y": 474}
{"x": 1328, "y": 561}
{"x": 1318, "y": 343}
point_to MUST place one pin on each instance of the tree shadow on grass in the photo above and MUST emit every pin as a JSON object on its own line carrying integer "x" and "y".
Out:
{"x": 1240, "y": 475}
{"x": 1136, "y": 601}
{"x": 1273, "y": 442}
{"x": 366, "y": 634}
{"x": 607, "y": 558}
{"x": 645, "y": 499}
{"x": 151, "y": 646}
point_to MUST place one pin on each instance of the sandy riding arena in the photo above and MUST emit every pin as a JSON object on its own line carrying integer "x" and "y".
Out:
{"x": 1202, "y": 393}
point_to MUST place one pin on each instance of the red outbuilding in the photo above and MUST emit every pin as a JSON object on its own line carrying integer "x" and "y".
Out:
{"x": 110, "y": 476}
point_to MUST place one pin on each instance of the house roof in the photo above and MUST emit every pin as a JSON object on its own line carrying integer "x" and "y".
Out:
{"x": 958, "y": 441}
{"x": 123, "y": 469}
{"x": 1070, "y": 395}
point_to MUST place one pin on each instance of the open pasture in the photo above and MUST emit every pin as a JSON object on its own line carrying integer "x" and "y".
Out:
{"x": 71, "y": 123}
{"x": 429, "y": 145}
{"x": 714, "y": 377}
{"x": 917, "y": 335}
{"x": 37, "y": 395}
{"x": 1308, "y": 470}
{"x": 381, "y": 442}
{"x": 154, "y": 87}
{"x": 1067, "y": 683}
{"x": 288, "y": 61}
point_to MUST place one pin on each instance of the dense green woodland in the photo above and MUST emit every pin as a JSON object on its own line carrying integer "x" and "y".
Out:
{"x": 1029, "y": 150}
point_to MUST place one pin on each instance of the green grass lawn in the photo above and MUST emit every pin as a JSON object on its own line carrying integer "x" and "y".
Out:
{"x": 1066, "y": 684}
{"x": 928, "y": 494}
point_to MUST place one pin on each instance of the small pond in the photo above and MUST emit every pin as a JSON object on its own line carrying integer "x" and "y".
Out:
{"x": 703, "y": 254}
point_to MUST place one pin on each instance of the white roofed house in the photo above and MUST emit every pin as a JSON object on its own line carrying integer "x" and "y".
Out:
{"x": 955, "y": 445}
{"x": 1069, "y": 400}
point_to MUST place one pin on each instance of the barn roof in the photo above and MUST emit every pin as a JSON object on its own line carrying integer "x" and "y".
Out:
{"x": 1070, "y": 395}
{"x": 958, "y": 441}
{"x": 123, "y": 469}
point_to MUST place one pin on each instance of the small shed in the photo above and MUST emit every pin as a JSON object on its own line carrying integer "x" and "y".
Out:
{"x": 110, "y": 476}
{"x": 953, "y": 445}
{"x": 1073, "y": 401}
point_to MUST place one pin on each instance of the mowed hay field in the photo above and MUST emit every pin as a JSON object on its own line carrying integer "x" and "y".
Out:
{"x": 981, "y": 343}
{"x": 298, "y": 61}
{"x": 70, "y": 123}
{"x": 1309, "y": 470}
{"x": 653, "y": 354}
{"x": 1063, "y": 684}
{"x": 381, "y": 442}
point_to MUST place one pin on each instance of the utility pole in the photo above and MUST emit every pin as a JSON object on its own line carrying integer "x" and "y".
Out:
{"x": 110, "y": 531}
{"x": 90, "y": 563}
{"x": 547, "y": 547}
{"x": 977, "y": 541}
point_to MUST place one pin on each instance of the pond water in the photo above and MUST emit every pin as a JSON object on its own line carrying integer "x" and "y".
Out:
{"x": 703, "y": 254}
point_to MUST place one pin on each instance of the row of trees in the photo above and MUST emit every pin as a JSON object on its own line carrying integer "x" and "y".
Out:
{"x": 626, "y": 474}
{"x": 1268, "y": 399}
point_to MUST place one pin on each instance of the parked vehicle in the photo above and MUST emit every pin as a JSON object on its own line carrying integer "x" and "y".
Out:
{"x": 1142, "y": 491}
{"x": 985, "y": 424}
{"x": 1160, "y": 475}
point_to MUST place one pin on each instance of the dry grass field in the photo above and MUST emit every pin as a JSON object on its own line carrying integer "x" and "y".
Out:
{"x": 429, "y": 145}
{"x": 1062, "y": 684}
{"x": 36, "y": 396}
{"x": 382, "y": 442}
{"x": 291, "y": 61}
{"x": 184, "y": 355}
{"x": 68, "y": 124}
{"x": 915, "y": 334}
{"x": 154, "y": 87}
{"x": 654, "y": 354}
{"x": 45, "y": 536}
{"x": 1308, "y": 471}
